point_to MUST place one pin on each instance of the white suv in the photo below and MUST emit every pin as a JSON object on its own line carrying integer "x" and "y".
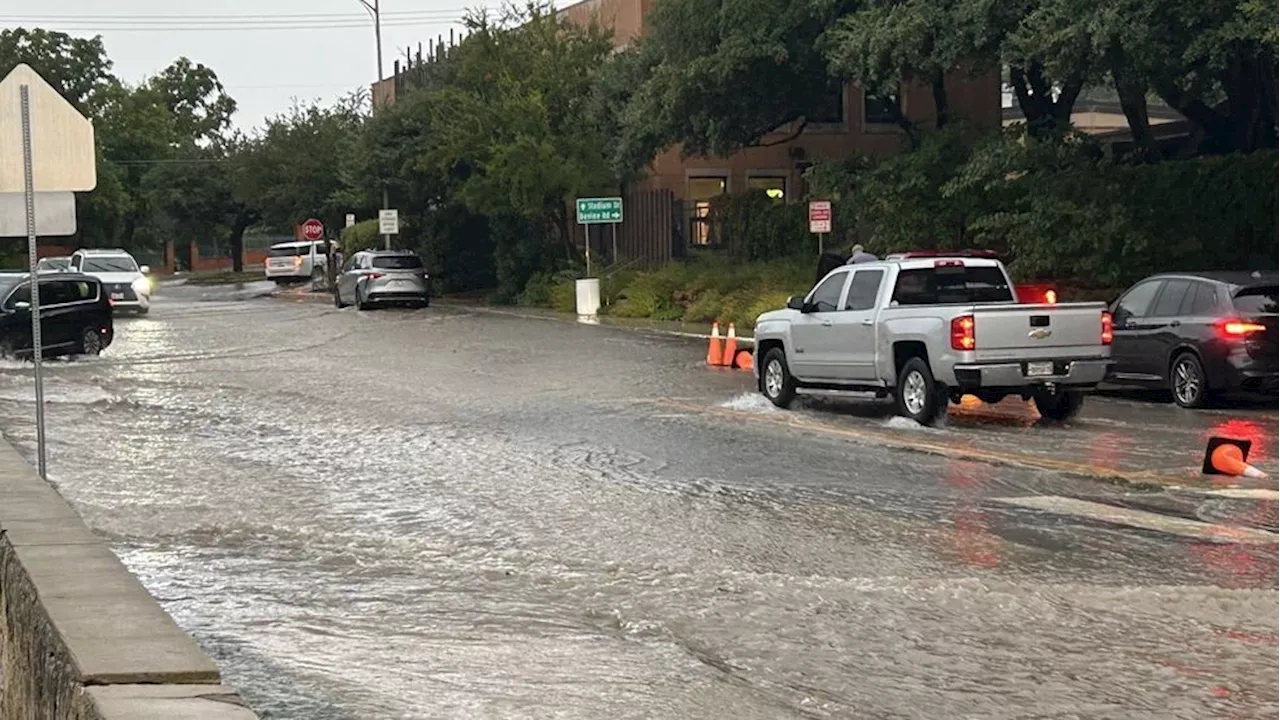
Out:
{"x": 126, "y": 283}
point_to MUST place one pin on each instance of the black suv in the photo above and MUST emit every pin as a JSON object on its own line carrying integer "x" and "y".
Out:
{"x": 1197, "y": 334}
{"x": 75, "y": 315}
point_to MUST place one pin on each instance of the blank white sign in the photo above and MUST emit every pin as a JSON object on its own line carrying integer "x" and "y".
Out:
{"x": 55, "y": 214}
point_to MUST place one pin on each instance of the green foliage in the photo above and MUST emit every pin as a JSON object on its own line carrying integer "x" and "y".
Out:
{"x": 753, "y": 226}
{"x": 361, "y": 236}
{"x": 899, "y": 202}
{"x": 714, "y": 289}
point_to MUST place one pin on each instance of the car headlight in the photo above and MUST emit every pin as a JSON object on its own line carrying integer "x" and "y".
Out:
{"x": 142, "y": 286}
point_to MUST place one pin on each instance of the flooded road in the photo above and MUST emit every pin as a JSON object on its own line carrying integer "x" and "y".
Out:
{"x": 447, "y": 514}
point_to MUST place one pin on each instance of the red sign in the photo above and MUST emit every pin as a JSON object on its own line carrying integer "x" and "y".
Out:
{"x": 820, "y": 216}
{"x": 312, "y": 229}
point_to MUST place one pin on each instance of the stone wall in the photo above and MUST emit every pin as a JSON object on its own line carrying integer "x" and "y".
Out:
{"x": 80, "y": 638}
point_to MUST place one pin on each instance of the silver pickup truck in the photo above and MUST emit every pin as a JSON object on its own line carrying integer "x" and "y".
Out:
{"x": 931, "y": 330}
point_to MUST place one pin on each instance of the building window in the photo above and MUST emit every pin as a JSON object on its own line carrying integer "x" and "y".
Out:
{"x": 828, "y": 108}
{"x": 881, "y": 109}
{"x": 775, "y": 186}
{"x": 702, "y": 190}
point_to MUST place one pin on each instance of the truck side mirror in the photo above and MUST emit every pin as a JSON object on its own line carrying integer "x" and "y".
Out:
{"x": 796, "y": 302}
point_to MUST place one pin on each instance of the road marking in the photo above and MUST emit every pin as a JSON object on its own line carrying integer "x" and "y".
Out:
{"x": 1212, "y": 532}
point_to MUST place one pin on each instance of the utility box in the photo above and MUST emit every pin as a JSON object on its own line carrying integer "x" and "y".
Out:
{"x": 588, "y": 290}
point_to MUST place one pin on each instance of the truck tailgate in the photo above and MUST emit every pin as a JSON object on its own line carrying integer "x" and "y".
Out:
{"x": 1030, "y": 332}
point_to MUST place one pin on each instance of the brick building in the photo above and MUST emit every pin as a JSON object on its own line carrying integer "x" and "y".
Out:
{"x": 856, "y": 124}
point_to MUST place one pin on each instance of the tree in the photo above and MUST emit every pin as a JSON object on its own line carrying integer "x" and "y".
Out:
{"x": 887, "y": 42}
{"x": 726, "y": 74}
{"x": 78, "y": 68}
{"x": 512, "y": 135}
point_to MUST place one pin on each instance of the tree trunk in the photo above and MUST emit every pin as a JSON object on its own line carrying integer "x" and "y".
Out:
{"x": 242, "y": 222}
{"x": 1045, "y": 115}
{"x": 941, "y": 105}
{"x": 1132, "y": 92}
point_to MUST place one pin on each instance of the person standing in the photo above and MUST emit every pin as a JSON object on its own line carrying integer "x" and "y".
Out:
{"x": 859, "y": 255}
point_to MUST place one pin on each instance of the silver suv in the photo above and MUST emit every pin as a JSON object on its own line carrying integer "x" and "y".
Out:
{"x": 381, "y": 277}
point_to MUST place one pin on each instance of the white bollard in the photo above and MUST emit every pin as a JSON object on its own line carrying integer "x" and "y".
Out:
{"x": 588, "y": 290}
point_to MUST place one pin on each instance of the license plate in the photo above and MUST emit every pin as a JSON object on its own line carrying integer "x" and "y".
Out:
{"x": 117, "y": 296}
{"x": 1039, "y": 369}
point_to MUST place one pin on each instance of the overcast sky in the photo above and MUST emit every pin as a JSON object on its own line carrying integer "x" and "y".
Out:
{"x": 266, "y": 52}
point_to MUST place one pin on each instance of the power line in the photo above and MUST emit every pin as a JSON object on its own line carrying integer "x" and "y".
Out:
{"x": 287, "y": 27}
{"x": 233, "y": 17}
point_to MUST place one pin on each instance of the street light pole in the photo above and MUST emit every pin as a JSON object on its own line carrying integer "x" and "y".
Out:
{"x": 375, "y": 11}
{"x": 377, "y": 29}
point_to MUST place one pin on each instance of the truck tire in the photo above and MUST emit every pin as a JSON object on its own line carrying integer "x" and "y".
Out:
{"x": 776, "y": 381}
{"x": 917, "y": 394}
{"x": 1059, "y": 406}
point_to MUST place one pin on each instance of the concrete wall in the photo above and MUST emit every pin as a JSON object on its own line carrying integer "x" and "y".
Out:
{"x": 80, "y": 638}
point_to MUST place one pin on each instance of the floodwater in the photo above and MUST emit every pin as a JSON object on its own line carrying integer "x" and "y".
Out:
{"x": 422, "y": 514}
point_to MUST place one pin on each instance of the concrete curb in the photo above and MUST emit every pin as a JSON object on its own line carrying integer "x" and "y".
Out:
{"x": 74, "y": 622}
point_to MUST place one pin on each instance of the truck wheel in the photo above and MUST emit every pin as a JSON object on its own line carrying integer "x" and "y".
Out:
{"x": 1059, "y": 406}
{"x": 917, "y": 393}
{"x": 775, "y": 379}
{"x": 1187, "y": 381}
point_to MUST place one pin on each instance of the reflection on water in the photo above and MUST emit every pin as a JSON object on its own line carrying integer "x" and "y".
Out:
{"x": 363, "y": 517}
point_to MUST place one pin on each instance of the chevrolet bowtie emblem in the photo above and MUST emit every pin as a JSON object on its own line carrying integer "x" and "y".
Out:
{"x": 1039, "y": 333}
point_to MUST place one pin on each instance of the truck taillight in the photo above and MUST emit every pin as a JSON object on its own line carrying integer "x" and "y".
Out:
{"x": 962, "y": 337}
{"x": 1108, "y": 328}
{"x": 1050, "y": 297}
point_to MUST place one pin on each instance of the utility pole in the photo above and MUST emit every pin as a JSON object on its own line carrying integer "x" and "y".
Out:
{"x": 376, "y": 12}
{"x": 377, "y": 29}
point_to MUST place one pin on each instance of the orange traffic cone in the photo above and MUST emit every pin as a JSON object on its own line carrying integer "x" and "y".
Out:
{"x": 744, "y": 360}
{"x": 730, "y": 347}
{"x": 1226, "y": 456}
{"x": 715, "y": 349}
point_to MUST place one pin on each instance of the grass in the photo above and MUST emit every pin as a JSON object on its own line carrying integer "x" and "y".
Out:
{"x": 703, "y": 290}
{"x": 225, "y": 277}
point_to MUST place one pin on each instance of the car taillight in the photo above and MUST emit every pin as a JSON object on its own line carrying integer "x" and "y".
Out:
{"x": 374, "y": 276}
{"x": 1108, "y": 328}
{"x": 962, "y": 337}
{"x": 1240, "y": 328}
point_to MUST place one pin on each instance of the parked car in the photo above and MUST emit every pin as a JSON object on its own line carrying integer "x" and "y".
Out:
{"x": 54, "y": 264}
{"x": 75, "y": 315}
{"x": 296, "y": 261}
{"x": 1198, "y": 335}
{"x": 126, "y": 283}
{"x": 383, "y": 277}
{"x": 927, "y": 331}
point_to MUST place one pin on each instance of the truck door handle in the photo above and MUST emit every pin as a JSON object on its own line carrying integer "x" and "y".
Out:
{"x": 826, "y": 323}
{"x": 868, "y": 322}
{"x": 1175, "y": 323}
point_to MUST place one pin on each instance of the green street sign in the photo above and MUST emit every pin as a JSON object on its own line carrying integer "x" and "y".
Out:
{"x": 599, "y": 211}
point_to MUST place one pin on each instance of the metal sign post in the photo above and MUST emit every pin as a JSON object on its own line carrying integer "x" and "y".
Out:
{"x": 45, "y": 169}
{"x": 28, "y": 170}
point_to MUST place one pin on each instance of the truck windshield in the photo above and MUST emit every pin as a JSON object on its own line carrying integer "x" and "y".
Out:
{"x": 952, "y": 285}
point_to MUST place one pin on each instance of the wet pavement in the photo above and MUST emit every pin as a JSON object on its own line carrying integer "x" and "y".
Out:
{"x": 441, "y": 513}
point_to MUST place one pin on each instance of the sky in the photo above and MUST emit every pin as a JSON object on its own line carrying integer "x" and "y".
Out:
{"x": 266, "y": 52}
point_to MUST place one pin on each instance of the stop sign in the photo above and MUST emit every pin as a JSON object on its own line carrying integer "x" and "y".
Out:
{"x": 313, "y": 229}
